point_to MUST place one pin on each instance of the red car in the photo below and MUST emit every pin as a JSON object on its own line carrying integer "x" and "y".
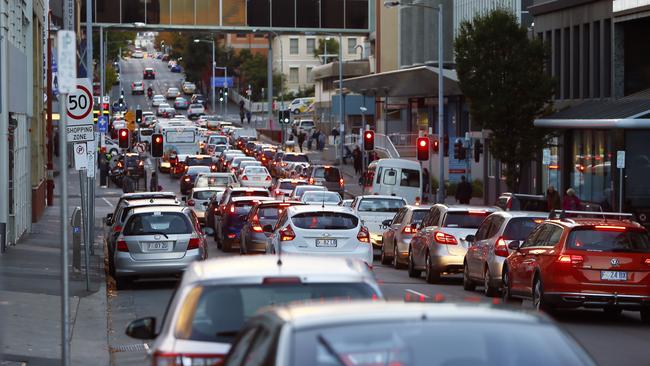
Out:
{"x": 602, "y": 261}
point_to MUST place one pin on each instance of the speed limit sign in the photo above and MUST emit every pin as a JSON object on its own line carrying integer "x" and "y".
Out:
{"x": 79, "y": 104}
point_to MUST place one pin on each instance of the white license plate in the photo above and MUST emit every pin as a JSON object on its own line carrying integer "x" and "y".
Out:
{"x": 257, "y": 178}
{"x": 158, "y": 246}
{"x": 329, "y": 243}
{"x": 613, "y": 276}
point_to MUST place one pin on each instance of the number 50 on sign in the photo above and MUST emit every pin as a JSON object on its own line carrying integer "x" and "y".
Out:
{"x": 80, "y": 104}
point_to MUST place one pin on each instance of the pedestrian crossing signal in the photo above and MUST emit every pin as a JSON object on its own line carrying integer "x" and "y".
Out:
{"x": 156, "y": 145}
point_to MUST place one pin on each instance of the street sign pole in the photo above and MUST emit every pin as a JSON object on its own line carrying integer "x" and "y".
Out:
{"x": 620, "y": 164}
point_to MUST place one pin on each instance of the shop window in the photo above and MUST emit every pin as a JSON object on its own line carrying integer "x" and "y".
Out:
{"x": 590, "y": 175}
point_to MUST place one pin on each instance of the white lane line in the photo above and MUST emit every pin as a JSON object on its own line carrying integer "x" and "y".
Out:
{"x": 107, "y": 202}
{"x": 418, "y": 294}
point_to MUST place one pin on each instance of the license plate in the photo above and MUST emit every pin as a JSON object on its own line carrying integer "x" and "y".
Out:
{"x": 613, "y": 276}
{"x": 330, "y": 243}
{"x": 158, "y": 246}
{"x": 257, "y": 178}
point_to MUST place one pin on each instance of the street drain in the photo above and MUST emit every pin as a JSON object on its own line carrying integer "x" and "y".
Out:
{"x": 138, "y": 347}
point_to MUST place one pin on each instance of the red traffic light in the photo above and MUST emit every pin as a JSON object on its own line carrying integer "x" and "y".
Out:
{"x": 422, "y": 148}
{"x": 369, "y": 140}
{"x": 435, "y": 146}
{"x": 123, "y": 138}
{"x": 368, "y": 135}
{"x": 157, "y": 140}
{"x": 124, "y": 133}
{"x": 156, "y": 145}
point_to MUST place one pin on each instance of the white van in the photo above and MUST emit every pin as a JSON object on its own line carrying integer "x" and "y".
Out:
{"x": 300, "y": 105}
{"x": 395, "y": 177}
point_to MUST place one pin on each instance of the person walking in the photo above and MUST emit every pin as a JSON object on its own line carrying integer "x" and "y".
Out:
{"x": 153, "y": 183}
{"x": 103, "y": 171}
{"x": 356, "y": 158}
{"x": 241, "y": 111}
{"x": 321, "y": 141}
{"x": 128, "y": 184}
{"x": 301, "y": 140}
{"x": 426, "y": 184}
{"x": 463, "y": 191}
{"x": 248, "y": 116}
{"x": 571, "y": 201}
{"x": 552, "y": 199}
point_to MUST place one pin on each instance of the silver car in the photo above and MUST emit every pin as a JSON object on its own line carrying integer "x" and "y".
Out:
{"x": 199, "y": 197}
{"x": 216, "y": 297}
{"x": 399, "y": 232}
{"x": 489, "y": 247}
{"x": 157, "y": 241}
{"x": 299, "y": 190}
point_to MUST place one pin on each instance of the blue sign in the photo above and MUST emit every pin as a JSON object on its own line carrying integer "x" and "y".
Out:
{"x": 102, "y": 124}
{"x": 218, "y": 82}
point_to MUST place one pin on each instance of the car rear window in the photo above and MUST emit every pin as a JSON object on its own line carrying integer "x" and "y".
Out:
{"x": 330, "y": 174}
{"x": 322, "y": 196}
{"x": 194, "y": 170}
{"x": 204, "y": 195}
{"x": 272, "y": 212}
{"x": 241, "y": 208}
{"x": 380, "y": 205}
{"x": 290, "y": 185}
{"x": 255, "y": 170}
{"x": 609, "y": 239}
{"x": 158, "y": 223}
{"x": 465, "y": 219}
{"x": 199, "y": 161}
{"x": 217, "y": 313}
{"x": 261, "y": 193}
{"x": 212, "y": 182}
{"x": 418, "y": 215}
{"x": 295, "y": 158}
{"x": 325, "y": 221}
{"x": 518, "y": 228}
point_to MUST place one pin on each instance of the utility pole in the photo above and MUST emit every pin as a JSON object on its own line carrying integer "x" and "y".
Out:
{"x": 269, "y": 81}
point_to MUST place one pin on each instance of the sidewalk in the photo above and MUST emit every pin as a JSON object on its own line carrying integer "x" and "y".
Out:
{"x": 30, "y": 296}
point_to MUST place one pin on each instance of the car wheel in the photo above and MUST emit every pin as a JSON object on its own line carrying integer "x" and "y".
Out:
{"x": 384, "y": 258}
{"x": 538, "y": 297}
{"x": 396, "y": 263}
{"x": 217, "y": 239}
{"x": 432, "y": 276}
{"x": 488, "y": 289}
{"x": 413, "y": 273}
{"x": 506, "y": 293}
{"x": 468, "y": 284}
{"x": 645, "y": 315}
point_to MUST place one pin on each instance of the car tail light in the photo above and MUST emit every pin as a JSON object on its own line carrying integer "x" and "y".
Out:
{"x": 190, "y": 202}
{"x": 255, "y": 221}
{"x": 409, "y": 230}
{"x": 609, "y": 228}
{"x": 186, "y": 359}
{"x": 119, "y": 164}
{"x": 122, "y": 247}
{"x": 187, "y": 179}
{"x": 232, "y": 209}
{"x": 341, "y": 182}
{"x": 117, "y": 229}
{"x": 647, "y": 261}
{"x": 509, "y": 204}
{"x": 572, "y": 259}
{"x": 231, "y": 236}
{"x": 287, "y": 234}
{"x": 194, "y": 243}
{"x": 244, "y": 178}
{"x": 268, "y": 177}
{"x": 444, "y": 238}
{"x": 500, "y": 248}
{"x": 363, "y": 235}
{"x": 213, "y": 167}
{"x": 311, "y": 180}
{"x": 284, "y": 164}
{"x": 417, "y": 201}
{"x": 281, "y": 280}
{"x": 275, "y": 163}
{"x": 277, "y": 192}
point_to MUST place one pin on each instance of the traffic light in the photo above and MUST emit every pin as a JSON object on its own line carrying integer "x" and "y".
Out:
{"x": 123, "y": 137}
{"x": 423, "y": 148}
{"x": 221, "y": 95}
{"x": 284, "y": 116}
{"x": 156, "y": 145}
{"x": 478, "y": 150}
{"x": 138, "y": 116}
{"x": 435, "y": 146}
{"x": 225, "y": 92}
{"x": 369, "y": 140}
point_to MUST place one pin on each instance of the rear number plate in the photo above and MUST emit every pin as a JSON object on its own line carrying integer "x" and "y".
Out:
{"x": 613, "y": 276}
{"x": 158, "y": 246}
{"x": 257, "y": 178}
{"x": 326, "y": 243}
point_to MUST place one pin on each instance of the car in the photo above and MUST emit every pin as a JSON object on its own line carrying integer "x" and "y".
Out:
{"x": 215, "y": 149}
{"x": 321, "y": 198}
{"x": 218, "y": 140}
{"x": 398, "y": 233}
{"x": 304, "y": 126}
{"x": 488, "y": 249}
{"x": 223, "y": 164}
{"x": 266, "y": 157}
{"x": 234, "y": 164}
{"x": 166, "y": 112}
{"x": 187, "y": 180}
{"x": 144, "y": 134}
{"x": 181, "y": 103}
{"x": 440, "y": 244}
{"x": 214, "y": 299}
{"x": 522, "y": 202}
{"x": 191, "y": 160}
{"x": 137, "y": 54}
{"x": 175, "y": 68}
{"x": 216, "y": 205}
{"x": 149, "y": 120}
{"x": 157, "y": 241}
{"x": 228, "y": 227}
{"x": 215, "y": 180}
{"x": 165, "y": 57}
{"x": 137, "y": 87}
{"x": 253, "y": 238}
{"x": 373, "y": 333}
{"x": 188, "y": 87}
{"x": 198, "y": 200}
{"x": 287, "y": 158}
{"x": 255, "y": 176}
{"x": 198, "y": 99}
{"x": 300, "y": 105}
{"x": 320, "y": 231}
{"x": 149, "y": 73}
{"x": 195, "y": 110}
{"x": 591, "y": 260}
{"x": 172, "y": 93}
{"x": 284, "y": 187}
{"x": 134, "y": 163}
{"x": 374, "y": 210}
{"x": 157, "y": 100}
{"x": 244, "y": 164}
{"x": 328, "y": 176}
{"x": 299, "y": 190}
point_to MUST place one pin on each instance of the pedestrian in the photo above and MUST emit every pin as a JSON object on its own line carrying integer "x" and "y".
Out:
{"x": 248, "y": 116}
{"x": 128, "y": 184}
{"x": 321, "y": 141}
{"x": 153, "y": 183}
{"x": 571, "y": 201}
{"x": 463, "y": 191}
{"x": 356, "y": 159}
{"x": 301, "y": 140}
{"x": 426, "y": 183}
{"x": 103, "y": 171}
{"x": 241, "y": 111}
{"x": 552, "y": 199}
{"x": 335, "y": 133}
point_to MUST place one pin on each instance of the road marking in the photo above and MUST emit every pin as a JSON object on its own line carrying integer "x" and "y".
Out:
{"x": 107, "y": 202}
{"x": 418, "y": 294}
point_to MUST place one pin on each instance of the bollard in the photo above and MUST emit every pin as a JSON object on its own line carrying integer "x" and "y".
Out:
{"x": 75, "y": 222}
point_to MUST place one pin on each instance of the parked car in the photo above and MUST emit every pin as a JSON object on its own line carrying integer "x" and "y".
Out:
{"x": 252, "y": 238}
{"x": 398, "y": 233}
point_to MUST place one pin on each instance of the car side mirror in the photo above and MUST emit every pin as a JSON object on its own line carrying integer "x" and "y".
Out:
{"x": 143, "y": 328}
{"x": 514, "y": 245}
{"x": 386, "y": 222}
{"x": 267, "y": 229}
{"x": 108, "y": 220}
{"x": 183, "y": 199}
{"x": 470, "y": 238}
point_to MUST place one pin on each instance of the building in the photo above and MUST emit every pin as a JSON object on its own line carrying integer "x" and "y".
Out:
{"x": 466, "y": 10}
{"x": 256, "y": 43}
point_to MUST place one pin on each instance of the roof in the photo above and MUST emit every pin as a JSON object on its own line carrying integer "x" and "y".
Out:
{"x": 331, "y": 269}
{"x": 141, "y": 195}
{"x": 248, "y": 189}
{"x": 294, "y": 210}
{"x": 514, "y": 214}
{"x": 382, "y": 196}
{"x": 153, "y": 202}
{"x": 350, "y": 69}
{"x": 251, "y": 198}
{"x": 629, "y": 112}
{"x": 203, "y": 189}
{"x": 418, "y": 207}
{"x": 469, "y": 207}
{"x": 593, "y": 221}
{"x": 292, "y": 180}
{"x": 313, "y": 314}
{"x": 399, "y": 163}
{"x": 155, "y": 208}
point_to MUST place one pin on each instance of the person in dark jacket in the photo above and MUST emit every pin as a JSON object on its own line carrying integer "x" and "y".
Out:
{"x": 153, "y": 183}
{"x": 356, "y": 157}
{"x": 301, "y": 140}
{"x": 463, "y": 191}
{"x": 552, "y": 199}
{"x": 128, "y": 183}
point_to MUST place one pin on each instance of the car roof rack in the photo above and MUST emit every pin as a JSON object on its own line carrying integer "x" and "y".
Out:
{"x": 562, "y": 214}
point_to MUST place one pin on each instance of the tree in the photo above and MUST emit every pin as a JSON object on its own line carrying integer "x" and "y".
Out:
{"x": 113, "y": 42}
{"x": 332, "y": 49}
{"x": 253, "y": 69}
{"x": 110, "y": 78}
{"x": 502, "y": 74}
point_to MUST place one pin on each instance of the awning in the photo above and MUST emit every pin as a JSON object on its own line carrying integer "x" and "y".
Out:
{"x": 419, "y": 81}
{"x": 626, "y": 113}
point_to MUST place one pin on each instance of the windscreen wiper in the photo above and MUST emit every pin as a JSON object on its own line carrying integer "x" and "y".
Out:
{"x": 154, "y": 233}
{"x": 328, "y": 347}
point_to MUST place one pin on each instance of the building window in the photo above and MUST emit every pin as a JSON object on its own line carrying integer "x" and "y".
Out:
{"x": 241, "y": 35}
{"x": 311, "y": 46}
{"x": 293, "y": 75}
{"x": 260, "y": 35}
{"x": 293, "y": 46}
{"x": 591, "y": 171}
{"x": 309, "y": 76}
{"x": 352, "y": 44}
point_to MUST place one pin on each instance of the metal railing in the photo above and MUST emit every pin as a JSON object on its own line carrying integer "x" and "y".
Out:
{"x": 400, "y": 139}
{"x": 382, "y": 143}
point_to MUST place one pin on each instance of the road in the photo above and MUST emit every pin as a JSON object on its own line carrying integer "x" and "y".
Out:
{"x": 611, "y": 341}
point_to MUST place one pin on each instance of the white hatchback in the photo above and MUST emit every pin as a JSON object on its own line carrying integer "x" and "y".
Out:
{"x": 320, "y": 231}
{"x": 255, "y": 176}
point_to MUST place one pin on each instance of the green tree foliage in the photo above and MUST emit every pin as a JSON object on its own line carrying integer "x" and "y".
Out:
{"x": 252, "y": 69}
{"x": 110, "y": 78}
{"x": 113, "y": 42}
{"x": 332, "y": 49}
{"x": 501, "y": 72}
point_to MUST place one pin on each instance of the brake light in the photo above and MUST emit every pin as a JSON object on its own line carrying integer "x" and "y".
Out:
{"x": 255, "y": 221}
{"x": 341, "y": 182}
{"x": 277, "y": 192}
{"x": 500, "y": 248}
{"x": 647, "y": 261}
{"x": 213, "y": 167}
{"x": 287, "y": 234}
{"x": 538, "y": 221}
{"x": 122, "y": 247}
{"x": 609, "y": 228}
{"x": 187, "y": 179}
{"x": 476, "y": 212}
{"x": 311, "y": 180}
{"x": 268, "y": 177}
{"x": 119, "y": 164}
{"x": 281, "y": 280}
{"x": 363, "y": 235}
{"x": 275, "y": 163}
{"x": 417, "y": 201}
{"x": 244, "y": 178}
{"x": 194, "y": 243}
{"x": 181, "y": 359}
{"x": 284, "y": 164}
{"x": 409, "y": 230}
{"x": 573, "y": 259}
{"x": 232, "y": 209}
{"x": 444, "y": 238}
{"x": 117, "y": 229}
{"x": 190, "y": 203}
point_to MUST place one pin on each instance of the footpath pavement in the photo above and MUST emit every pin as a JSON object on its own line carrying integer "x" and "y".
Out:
{"x": 30, "y": 287}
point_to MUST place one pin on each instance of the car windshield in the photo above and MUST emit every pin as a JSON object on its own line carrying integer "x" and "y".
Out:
{"x": 329, "y": 173}
{"x": 518, "y": 228}
{"x": 204, "y": 195}
{"x": 329, "y": 197}
{"x": 295, "y": 158}
{"x": 465, "y": 219}
{"x": 158, "y": 223}
{"x": 380, "y": 205}
{"x": 609, "y": 239}
{"x": 208, "y": 181}
{"x": 261, "y": 193}
{"x": 288, "y": 185}
{"x": 436, "y": 343}
{"x": 216, "y": 313}
{"x": 325, "y": 220}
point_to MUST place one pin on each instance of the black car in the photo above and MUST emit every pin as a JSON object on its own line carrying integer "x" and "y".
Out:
{"x": 149, "y": 73}
{"x": 134, "y": 163}
{"x": 522, "y": 202}
{"x": 228, "y": 227}
{"x": 187, "y": 180}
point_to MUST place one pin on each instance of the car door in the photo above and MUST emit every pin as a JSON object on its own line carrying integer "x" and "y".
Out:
{"x": 425, "y": 233}
{"x": 526, "y": 259}
{"x": 473, "y": 256}
{"x": 486, "y": 249}
{"x": 388, "y": 238}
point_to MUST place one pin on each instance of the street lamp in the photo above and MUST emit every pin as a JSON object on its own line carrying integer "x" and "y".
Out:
{"x": 441, "y": 99}
{"x": 213, "y": 66}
